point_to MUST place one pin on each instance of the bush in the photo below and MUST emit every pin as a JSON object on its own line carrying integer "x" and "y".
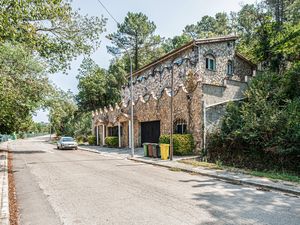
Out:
{"x": 183, "y": 144}
{"x": 262, "y": 132}
{"x": 81, "y": 139}
{"x": 112, "y": 141}
{"x": 92, "y": 140}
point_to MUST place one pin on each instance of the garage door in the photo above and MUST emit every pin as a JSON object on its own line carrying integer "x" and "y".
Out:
{"x": 150, "y": 132}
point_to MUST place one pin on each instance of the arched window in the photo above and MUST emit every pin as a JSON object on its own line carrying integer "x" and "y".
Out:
{"x": 180, "y": 126}
{"x": 210, "y": 62}
{"x": 229, "y": 67}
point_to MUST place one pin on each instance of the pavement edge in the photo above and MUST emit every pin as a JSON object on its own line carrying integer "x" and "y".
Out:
{"x": 4, "y": 213}
{"x": 220, "y": 177}
{"x": 235, "y": 181}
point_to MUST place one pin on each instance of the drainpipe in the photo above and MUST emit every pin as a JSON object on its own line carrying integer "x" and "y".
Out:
{"x": 97, "y": 131}
{"x": 103, "y": 135}
{"x": 119, "y": 134}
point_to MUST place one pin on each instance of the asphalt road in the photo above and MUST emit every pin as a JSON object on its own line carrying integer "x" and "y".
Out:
{"x": 77, "y": 187}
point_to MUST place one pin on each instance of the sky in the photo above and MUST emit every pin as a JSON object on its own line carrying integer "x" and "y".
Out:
{"x": 170, "y": 17}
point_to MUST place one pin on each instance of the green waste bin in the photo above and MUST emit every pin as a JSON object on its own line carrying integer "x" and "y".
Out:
{"x": 154, "y": 150}
{"x": 146, "y": 149}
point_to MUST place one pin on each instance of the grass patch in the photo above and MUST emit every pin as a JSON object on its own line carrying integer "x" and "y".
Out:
{"x": 174, "y": 169}
{"x": 274, "y": 175}
{"x": 203, "y": 164}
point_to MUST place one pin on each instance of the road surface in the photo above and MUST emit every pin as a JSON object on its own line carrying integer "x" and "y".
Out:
{"x": 76, "y": 187}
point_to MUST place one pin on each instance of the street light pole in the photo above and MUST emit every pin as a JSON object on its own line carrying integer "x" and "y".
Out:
{"x": 50, "y": 125}
{"x": 131, "y": 97}
{"x": 171, "y": 108}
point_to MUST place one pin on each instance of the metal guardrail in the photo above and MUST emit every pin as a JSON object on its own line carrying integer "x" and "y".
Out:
{"x": 5, "y": 137}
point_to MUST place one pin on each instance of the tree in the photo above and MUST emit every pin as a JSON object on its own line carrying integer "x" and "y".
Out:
{"x": 175, "y": 42}
{"x": 23, "y": 86}
{"x": 62, "y": 107}
{"x": 268, "y": 35}
{"x": 50, "y": 29}
{"x": 209, "y": 26}
{"x": 136, "y": 34}
{"x": 99, "y": 87}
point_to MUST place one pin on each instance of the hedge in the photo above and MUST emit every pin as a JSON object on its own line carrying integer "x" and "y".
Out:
{"x": 183, "y": 144}
{"x": 92, "y": 140}
{"x": 112, "y": 141}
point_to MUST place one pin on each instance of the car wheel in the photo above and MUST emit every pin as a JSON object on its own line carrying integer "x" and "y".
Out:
{"x": 58, "y": 147}
{"x": 76, "y": 148}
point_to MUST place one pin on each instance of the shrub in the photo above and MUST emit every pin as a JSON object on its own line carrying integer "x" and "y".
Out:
{"x": 183, "y": 144}
{"x": 92, "y": 140}
{"x": 81, "y": 139}
{"x": 262, "y": 132}
{"x": 112, "y": 141}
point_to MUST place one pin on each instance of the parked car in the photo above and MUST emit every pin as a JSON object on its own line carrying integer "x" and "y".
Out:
{"x": 67, "y": 143}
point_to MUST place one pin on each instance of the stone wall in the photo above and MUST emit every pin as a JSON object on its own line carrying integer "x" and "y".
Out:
{"x": 158, "y": 77}
{"x": 242, "y": 68}
{"x": 186, "y": 106}
{"x": 193, "y": 60}
{"x": 222, "y": 52}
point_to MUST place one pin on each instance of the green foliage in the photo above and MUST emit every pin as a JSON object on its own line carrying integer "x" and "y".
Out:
{"x": 175, "y": 42}
{"x": 136, "y": 34}
{"x": 209, "y": 26}
{"x": 183, "y": 144}
{"x": 98, "y": 87}
{"x": 52, "y": 29}
{"x": 39, "y": 128}
{"x": 91, "y": 139}
{"x": 264, "y": 130}
{"x": 62, "y": 112}
{"x": 270, "y": 33}
{"x": 23, "y": 87}
{"x": 112, "y": 141}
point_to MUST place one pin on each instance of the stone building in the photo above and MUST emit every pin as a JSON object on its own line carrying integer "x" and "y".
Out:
{"x": 206, "y": 74}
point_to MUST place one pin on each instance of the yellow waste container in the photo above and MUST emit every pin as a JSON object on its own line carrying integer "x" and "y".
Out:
{"x": 164, "y": 151}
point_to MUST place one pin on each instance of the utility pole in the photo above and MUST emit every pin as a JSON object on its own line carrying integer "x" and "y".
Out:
{"x": 171, "y": 108}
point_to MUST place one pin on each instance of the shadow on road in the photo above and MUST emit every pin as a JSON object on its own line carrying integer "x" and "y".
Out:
{"x": 27, "y": 152}
{"x": 241, "y": 204}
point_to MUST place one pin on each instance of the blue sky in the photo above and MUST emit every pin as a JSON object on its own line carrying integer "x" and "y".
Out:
{"x": 170, "y": 17}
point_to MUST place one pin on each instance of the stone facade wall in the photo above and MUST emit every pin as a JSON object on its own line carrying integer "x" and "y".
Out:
{"x": 242, "y": 69}
{"x": 157, "y": 78}
{"x": 222, "y": 52}
{"x": 192, "y": 60}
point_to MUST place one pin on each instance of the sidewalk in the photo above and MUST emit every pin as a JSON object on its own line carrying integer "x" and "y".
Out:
{"x": 234, "y": 177}
{"x": 4, "y": 209}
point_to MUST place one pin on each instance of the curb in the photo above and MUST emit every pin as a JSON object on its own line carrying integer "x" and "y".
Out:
{"x": 4, "y": 213}
{"x": 220, "y": 177}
